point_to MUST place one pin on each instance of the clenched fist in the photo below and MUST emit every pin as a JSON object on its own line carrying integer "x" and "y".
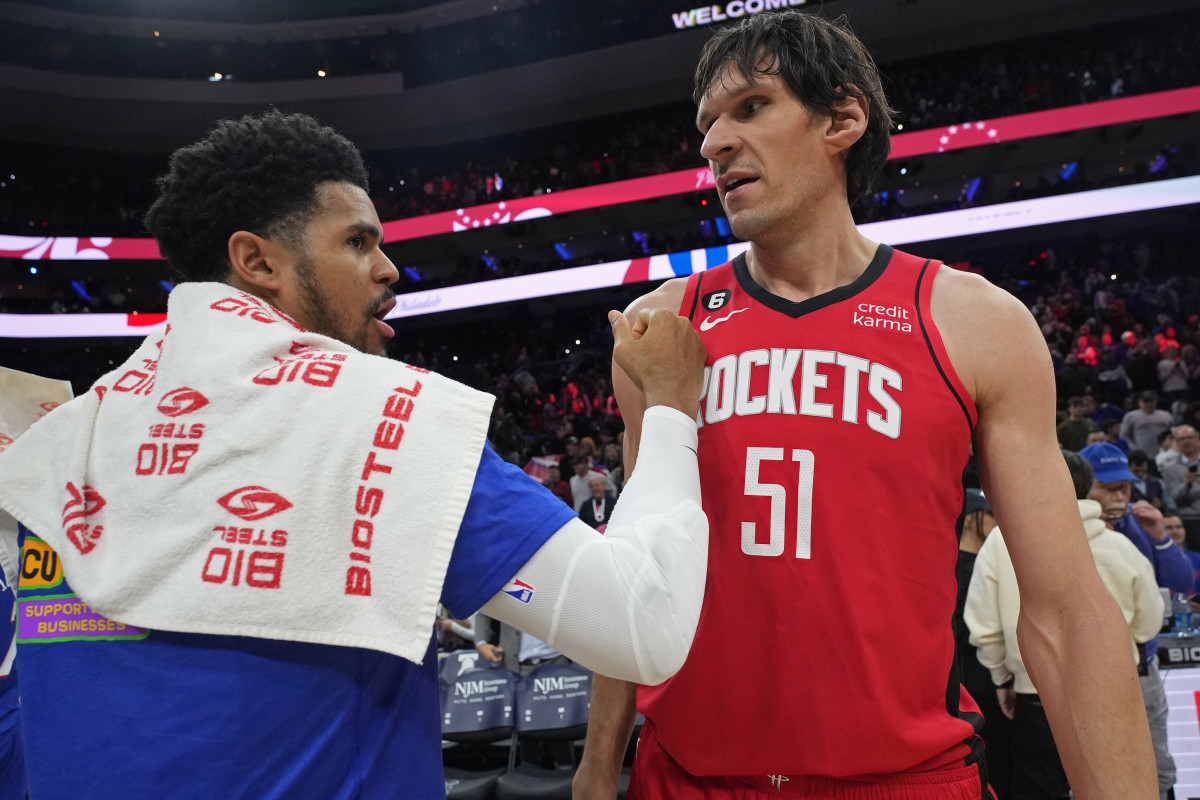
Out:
{"x": 663, "y": 355}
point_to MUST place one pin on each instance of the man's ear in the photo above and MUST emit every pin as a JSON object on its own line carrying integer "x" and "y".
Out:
{"x": 253, "y": 261}
{"x": 847, "y": 124}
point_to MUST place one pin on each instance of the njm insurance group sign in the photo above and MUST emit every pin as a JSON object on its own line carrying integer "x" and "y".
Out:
{"x": 707, "y": 15}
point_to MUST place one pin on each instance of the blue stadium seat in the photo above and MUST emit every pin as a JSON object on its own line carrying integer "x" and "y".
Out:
{"x": 477, "y": 712}
{"x": 552, "y": 705}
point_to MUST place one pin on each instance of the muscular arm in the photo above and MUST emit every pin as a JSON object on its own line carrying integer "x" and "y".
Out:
{"x": 614, "y": 702}
{"x": 1071, "y": 634}
{"x": 626, "y": 604}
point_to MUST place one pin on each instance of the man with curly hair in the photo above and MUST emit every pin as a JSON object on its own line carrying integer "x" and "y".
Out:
{"x": 846, "y": 385}
{"x": 166, "y": 649}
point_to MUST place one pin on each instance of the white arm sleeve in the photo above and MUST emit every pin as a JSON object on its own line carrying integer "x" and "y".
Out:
{"x": 626, "y": 603}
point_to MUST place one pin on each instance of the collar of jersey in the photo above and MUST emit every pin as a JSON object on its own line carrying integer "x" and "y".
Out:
{"x": 883, "y": 254}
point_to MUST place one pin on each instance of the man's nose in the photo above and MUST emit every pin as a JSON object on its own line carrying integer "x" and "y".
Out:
{"x": 720, "y": 141}
{"x": 385, "y": 271}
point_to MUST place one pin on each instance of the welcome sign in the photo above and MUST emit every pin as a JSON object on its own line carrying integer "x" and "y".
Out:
{"x": 707, "y": 15}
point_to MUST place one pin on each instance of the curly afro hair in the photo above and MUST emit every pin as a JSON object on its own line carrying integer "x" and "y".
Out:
{"x": 258, "y": 174}
{"x": 822, "y": 62}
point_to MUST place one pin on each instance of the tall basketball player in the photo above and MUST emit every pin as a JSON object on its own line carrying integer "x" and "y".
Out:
{"x": 846, "y": 382}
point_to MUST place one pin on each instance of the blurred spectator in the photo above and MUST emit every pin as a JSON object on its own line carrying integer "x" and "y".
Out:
{"x": 1189, "y": 359}
{"x": 614, "y": 464}
{"x": 515, "y": 650}
{"x": 992, "y": 608}
{"x": 567, "y": 462}
{"x": 596, "y": 511}
{"x": 1106, "y": 411}
{"x": 507, "y": 440}
{"x": 1108, "y": 433}
{"x": 1074, "y": 378}
{"x": 1143, "y": 426}
{"x": 1168, "y": 451}
{"x": 1181, "y": 476}
{"x": 1073, "y": 431}
{"x": 453, "y": 634}
{"x": 1112, "y": 382}
{"x": 587, "y": 445}
{"x": 581, "y": 481}
{"x": 558, "y": 486}
{"x": 1172, "y": 375}
{"x": 1142, "y": 524}
{"x": 978, "y": 522}
{"x": 1173, "y": 525}
{"x": 1146, "y": 486}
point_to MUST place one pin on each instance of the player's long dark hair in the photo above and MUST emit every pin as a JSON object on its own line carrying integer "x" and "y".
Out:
{"x": 257, "y": 174}
{"x": 822, "y": 62}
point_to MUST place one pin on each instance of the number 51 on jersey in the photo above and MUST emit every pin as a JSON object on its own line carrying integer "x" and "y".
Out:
{"x": 778, "y": 493}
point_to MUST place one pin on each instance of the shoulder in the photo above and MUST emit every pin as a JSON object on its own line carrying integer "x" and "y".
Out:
{"x": 990, "y": 336}
{"x": 668, "y": 295}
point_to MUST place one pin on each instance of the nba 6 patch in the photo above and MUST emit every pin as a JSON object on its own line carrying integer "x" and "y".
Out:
{"x": 716, "y": 300}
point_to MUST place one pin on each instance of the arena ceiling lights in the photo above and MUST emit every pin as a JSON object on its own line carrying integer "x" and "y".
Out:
{"x": 931, "y": 227}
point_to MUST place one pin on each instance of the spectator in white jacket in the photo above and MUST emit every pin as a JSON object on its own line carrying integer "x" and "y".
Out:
{"x": 991, "y": 615}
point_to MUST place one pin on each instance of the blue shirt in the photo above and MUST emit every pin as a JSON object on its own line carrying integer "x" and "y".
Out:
{"x": 1172, "y": 569}
{"x": 12, "y": 758}
{"x": 193, "y": 716}
{"x": 1195, "y": 559}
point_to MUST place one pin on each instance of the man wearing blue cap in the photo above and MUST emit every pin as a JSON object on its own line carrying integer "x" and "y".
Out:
{"x": 1143, "y": 524}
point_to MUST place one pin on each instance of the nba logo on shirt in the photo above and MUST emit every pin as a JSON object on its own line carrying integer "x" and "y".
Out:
{"x": 519, "y": 589}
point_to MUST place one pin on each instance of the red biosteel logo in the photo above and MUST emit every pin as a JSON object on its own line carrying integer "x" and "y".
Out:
{"x": 254, "y": 502}
{"x": 81, "y": 504}
{"x": 182, "y": 401}
{"x": 85, "y": 502}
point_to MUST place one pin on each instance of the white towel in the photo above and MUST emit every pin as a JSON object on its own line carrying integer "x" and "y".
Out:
{"x": 240, "y": 476}
{"x": 24, "y": 399}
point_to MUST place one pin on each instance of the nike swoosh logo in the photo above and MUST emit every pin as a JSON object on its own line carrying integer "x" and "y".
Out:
{"x": 707, "y": 323}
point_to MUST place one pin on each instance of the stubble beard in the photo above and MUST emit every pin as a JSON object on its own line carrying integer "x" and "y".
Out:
{"x": 321, "y": 318}
{"x": 767, "y": 223}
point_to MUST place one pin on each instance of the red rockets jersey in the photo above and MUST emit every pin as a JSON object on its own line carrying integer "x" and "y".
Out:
{"x": 833, "y": 438}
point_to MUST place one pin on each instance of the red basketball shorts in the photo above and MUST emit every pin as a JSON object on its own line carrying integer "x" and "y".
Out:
{"x": 657, "y": 776}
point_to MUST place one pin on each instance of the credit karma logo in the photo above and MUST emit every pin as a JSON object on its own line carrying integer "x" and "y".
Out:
{"x": 254, "y": 502}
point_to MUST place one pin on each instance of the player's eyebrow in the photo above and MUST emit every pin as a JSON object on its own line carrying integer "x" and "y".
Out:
{"x": 366, "y": 229}
{"x": 730, "y": 97}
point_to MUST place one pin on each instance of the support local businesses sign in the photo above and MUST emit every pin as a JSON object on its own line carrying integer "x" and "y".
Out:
{"x": 707, "y": 15}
